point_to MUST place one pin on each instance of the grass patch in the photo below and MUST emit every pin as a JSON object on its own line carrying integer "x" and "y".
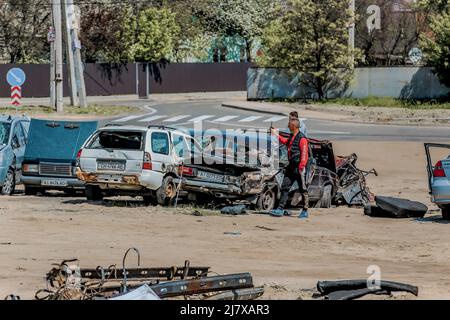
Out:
{"x": 102, "y": 110}
{"x": 383, "y": 102}
{"x": 386, "y": 102}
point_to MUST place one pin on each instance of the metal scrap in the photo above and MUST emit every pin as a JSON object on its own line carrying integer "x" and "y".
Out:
{"x": 68, "y": 281}
{"x": 353, "y": 188}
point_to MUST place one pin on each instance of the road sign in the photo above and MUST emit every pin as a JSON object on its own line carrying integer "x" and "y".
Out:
{"x": 16, "y": 77}
{"x": 16, "y": 96}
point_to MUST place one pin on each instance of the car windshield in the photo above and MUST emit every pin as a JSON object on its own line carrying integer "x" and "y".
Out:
{"x": 122, "y": 140}
{"x": 5, "y": 128}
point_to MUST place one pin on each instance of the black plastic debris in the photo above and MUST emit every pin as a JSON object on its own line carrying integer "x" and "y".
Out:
{"x": 354, "y": 289}
{"x": 398, "y": 208}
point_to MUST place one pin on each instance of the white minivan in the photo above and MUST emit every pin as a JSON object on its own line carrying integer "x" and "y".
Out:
{"x": 134, "y": 161}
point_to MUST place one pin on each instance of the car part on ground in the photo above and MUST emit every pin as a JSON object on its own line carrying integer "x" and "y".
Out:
{"x": 353, "y": 188}
{"x": 234, "y": 210}
{"x": 439, "y": 177}
{"x": 69, "y": 282}
{"x": 397, "y": 208}
{"x": 353, "y": 289}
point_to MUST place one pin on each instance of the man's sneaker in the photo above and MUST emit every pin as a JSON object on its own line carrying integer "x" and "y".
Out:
{"x": 278, "y": 212}
{"x": 304, "y": 214}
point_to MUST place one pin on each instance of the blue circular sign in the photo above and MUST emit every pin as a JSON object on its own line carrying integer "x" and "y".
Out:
{"x": 16, "y": 77}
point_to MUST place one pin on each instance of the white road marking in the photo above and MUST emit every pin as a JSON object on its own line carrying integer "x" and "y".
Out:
{"x": 276, "y": 119}
{"x": 225, "y": 119}
{"x": 177, "y": 118}
{"x": 132, "y": 117}
{"x": 201, "y": 118}
{"x": 154, "y": 118}
{"x": 251, "y": 119}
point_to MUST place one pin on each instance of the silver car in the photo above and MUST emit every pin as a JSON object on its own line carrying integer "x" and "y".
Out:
{"x": 439, "y": 176}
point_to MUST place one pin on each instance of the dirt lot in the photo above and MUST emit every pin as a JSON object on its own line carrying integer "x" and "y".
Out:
{"x": 333, "y": 244}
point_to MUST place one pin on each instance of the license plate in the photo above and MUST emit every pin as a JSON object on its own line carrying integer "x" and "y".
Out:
{"x": 210, "y": 176}
{"x": 111, "y": 165}
{"x": 54, "y": 183}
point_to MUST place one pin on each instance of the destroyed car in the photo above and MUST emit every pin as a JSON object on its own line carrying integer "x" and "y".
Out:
{"x": 439, "y": 177}
{"x": 50, "y": 155}
{"x": 133, "y": 161}
{"x": 13, "y": 140}
{"x": 238, "y": 172}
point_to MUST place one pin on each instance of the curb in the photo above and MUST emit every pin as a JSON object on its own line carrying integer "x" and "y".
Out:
{"x": 232, "y": 106}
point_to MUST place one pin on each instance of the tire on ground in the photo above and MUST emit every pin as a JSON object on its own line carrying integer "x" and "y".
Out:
{"x": 165, "y": 195}
{"x": 93, "y": 193}
{"x": 326, "y": 200}
{"x": 9, "y": 185}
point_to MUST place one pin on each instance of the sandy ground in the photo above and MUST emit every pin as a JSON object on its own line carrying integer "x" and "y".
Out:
{"x": 338, "y": 243}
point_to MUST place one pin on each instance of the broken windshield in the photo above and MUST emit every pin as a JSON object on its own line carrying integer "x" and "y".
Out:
{"x": 122, "y": 140}
{"x": 5, "y": 128}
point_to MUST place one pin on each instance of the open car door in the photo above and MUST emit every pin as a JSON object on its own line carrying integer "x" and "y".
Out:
{"x": 431, "y": 165}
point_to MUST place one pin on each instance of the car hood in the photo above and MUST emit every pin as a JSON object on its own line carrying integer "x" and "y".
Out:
{"x": 57, "y": 140}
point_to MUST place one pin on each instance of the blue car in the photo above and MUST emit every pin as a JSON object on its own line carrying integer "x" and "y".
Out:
{"x": 13, "y": 139}
{"x": 51, "y": 154}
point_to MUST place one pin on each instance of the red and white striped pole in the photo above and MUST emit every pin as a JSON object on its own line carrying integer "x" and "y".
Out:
{"x": 16, "y": 96}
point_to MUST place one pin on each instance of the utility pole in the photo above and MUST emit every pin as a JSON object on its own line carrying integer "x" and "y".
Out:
{"x": 51, "y": 40}
{"x": 70, "y": 62}
{"x": 351, "y": 33}
{"x": 56, "y": 9}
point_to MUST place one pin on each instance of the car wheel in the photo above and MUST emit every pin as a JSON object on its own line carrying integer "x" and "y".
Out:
{"x": 325, "y": 201}
{"x": 93, "y": 193}
{"x": 267, "y": 200}
{"x": 10, "y": 184}
{"x": 167, "y": 192}
{"x": 446, "y": 213}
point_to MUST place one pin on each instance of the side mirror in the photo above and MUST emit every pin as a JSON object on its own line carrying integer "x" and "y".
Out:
{"x": 15, "y": 142}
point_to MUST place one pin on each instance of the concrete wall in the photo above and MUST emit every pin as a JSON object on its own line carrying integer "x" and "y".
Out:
{"x": 396, "y": 82}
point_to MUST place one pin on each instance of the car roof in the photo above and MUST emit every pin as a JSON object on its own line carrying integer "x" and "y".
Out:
{"x": 140, "y": 128}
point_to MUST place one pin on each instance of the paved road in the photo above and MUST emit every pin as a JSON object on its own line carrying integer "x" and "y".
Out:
{"x": 212, "y": 115}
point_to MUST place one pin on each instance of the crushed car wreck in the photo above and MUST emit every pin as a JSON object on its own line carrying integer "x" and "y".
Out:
{"x": 241, "y": 170}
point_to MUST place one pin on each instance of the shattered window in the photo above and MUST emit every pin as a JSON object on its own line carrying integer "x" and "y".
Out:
{"x": 122, "y": 140}
{"x": 160, "y": 143}
{"x": 5, "y": 128}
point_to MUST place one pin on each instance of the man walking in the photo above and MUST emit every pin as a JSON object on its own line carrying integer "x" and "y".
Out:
{"x": 298, "y": 154}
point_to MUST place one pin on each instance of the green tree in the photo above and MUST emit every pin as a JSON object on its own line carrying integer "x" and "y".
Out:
{"x": 244, "y": 18}
{"x": 155, "y": 38}
{"x": 311, "y": 37}
{"x": 436, "y": 46}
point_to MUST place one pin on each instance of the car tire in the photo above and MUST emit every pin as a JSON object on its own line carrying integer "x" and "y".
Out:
{"x": 446, "y": 212}
{"x": 167, "y": 192}
{"x": 93, "y": 193}
{"x": 31, "y": 191}
{"x": 267, "y": 200}
{"x": 9, "y": 185}
{"x": 326, "y": 200}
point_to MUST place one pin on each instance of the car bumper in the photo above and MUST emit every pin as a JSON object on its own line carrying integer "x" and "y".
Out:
{"x": 36, "y": 181}
{"x": 203, "y": 186}
{"x": 148, "y": 179}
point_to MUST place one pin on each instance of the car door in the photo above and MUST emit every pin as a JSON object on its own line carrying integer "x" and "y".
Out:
{"x": 438, "y": 168}
{"x": 160, "y": 147}
{"x": 18, "y": 143}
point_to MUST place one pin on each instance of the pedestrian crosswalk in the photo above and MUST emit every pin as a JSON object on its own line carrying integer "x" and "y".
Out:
{"x": 153, "y": 118}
